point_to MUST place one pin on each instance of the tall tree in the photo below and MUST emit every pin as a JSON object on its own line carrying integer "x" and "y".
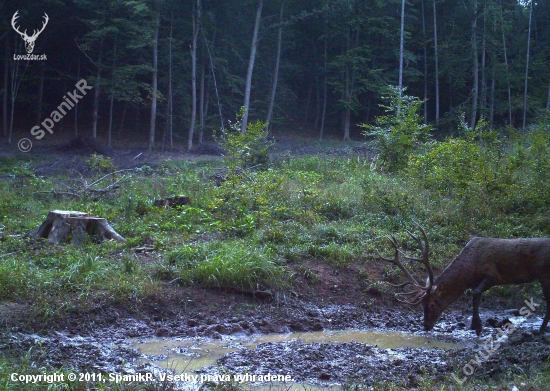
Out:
{"x": 475, "y": 67}
{"x": 325, "y": 82}
{"x": 170, "y": 92}
{"x": 436, "y": 60}
{"x": 425, "y": 53}
{"x": 248, "y": 85}
{"x": 401, "y": 47}
{"x": 112, "y": 98}
{"x": 510, "y": 121}
{"x": 277, "y": 62}
{"x": 154, "y": 82}
{"x": 196, "y": 26}
{"x": 527, "y": 67}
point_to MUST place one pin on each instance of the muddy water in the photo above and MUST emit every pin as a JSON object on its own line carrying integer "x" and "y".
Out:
{"x": 187, "y": 355}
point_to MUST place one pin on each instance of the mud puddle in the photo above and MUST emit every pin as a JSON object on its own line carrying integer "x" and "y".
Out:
{"x": 200, "y": 355}
{"x": 392, "y": 349}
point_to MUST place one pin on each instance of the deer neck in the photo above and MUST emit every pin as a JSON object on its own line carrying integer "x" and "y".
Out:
{"x": 456, "y": 279}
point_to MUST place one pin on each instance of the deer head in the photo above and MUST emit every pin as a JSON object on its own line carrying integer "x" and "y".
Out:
{"x": 428, "y": 295}
{"x": 29, "y": 41}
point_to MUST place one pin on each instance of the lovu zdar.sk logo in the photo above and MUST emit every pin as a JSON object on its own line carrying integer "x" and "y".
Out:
{"x": 29, "y": 40}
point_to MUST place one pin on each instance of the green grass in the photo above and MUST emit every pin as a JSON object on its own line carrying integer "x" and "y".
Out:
{"x": 246, "y": 232}
{"x": 257, "y": 229}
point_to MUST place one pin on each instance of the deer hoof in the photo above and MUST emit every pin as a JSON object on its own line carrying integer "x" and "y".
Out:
{"x": 477, "y": 326}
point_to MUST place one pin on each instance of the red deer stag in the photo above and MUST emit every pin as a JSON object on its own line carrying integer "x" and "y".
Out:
{"x": 482, "y": 264}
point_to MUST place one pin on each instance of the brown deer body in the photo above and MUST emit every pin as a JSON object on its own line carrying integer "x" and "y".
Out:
{"x": 482, "y": 264}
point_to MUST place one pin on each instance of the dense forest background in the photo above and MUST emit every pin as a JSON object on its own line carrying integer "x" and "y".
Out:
{"x": 173, "y": 72}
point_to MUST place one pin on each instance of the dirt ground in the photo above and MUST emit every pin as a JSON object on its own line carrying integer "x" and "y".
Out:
{"x": 92, "y": 341}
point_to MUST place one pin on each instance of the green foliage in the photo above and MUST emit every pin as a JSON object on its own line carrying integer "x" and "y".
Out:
{"x": 486, "y": 175}
{"x": 100, "y": 163}
{"x": 400, "y": 132}
{"x": 249, "y": 149}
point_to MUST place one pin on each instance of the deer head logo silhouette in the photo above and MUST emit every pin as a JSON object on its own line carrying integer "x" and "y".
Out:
{"x": 29, "y": 40}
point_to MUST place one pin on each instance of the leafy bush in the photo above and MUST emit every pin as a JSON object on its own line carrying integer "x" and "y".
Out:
{"x": 247, "y": 149}
{"x": 485, "y": 175}
{"x": 100, "y": 163}
{"x": 400, "y": 132}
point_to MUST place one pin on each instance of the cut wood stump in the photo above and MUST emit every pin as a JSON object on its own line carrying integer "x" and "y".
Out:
{"x": 63, "y": 226}
{"x": 173, "y": 201}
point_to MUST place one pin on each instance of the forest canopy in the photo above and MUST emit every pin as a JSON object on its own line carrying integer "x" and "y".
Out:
{"x": 166, "y": 71}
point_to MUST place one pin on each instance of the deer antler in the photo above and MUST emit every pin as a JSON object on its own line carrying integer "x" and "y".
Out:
{"x": 44, "y": 23}
{"x": 29, "y": 41}
{"x": 13, "y": 20}
{"x": 420, "y": 291}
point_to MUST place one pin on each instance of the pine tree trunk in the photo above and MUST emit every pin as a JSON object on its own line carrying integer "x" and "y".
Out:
{"x": 475, "y": 89}
{"x": 248, "y": 86}
{"x": 436, "y": 58}
{"x": 214, "y": 78}
{"x": 401, "y": 47}
{"x": 346, "y": 92}
{"x": 76, "y": 105}
{"x": 492, "y": 100}
{"x": 122, "y": 120}
{"x": 308, "y": 102}
{"x": 170, "y": 94}
{"x": 425, "y": 50}
{"x": 276, "y": 70}
{"x": 527, "y": 69}
{"x": 317, "y": 98}
{"x": 202, "y": 115}
{"x": 323, "y": 115}
{"x": 196, "y": 26}
{"x": 112, "y": 100}
{"x": 154, "y": 84}
{"x": 96, "y": 92}
{"x": 493, "y": 75}
{"x": 510, "y": 121}
{"x": 483, "y": 99}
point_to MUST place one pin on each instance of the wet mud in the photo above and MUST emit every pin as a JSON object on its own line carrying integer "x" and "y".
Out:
{"x": 255, "y": 339}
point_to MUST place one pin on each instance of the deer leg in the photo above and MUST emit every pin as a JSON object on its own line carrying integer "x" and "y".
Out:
{"x": 546, "y": 292}
{"x": 486, "y": 283}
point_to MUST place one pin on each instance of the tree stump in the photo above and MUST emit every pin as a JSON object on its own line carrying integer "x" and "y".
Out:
{"x": 173, "y": 201}
{"x": 74, "y": 227}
